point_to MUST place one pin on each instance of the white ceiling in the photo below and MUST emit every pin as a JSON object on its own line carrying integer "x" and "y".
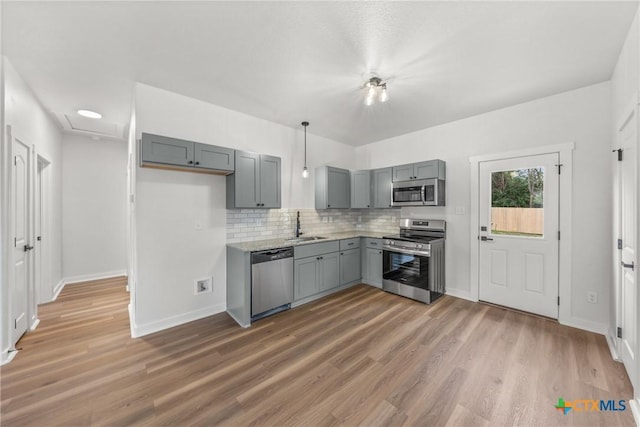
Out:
{"x": 293, "y": 61}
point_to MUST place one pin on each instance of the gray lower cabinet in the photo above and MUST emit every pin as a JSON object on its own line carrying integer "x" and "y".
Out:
{"x": 315, "y": 274}
{"x": 256, "y": 182}
{"x": 172, "y": 152}
{"x": 350, "y": 266}
{"x": 372, "y": 262}
{"x": 332, "y": 188}
{"x": 382, "y": 187}
{"x": 361, "y": 189}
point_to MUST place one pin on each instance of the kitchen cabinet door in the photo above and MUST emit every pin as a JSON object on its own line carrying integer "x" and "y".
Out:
{"x": 270, "y": 181}
{"x": 332, "y": 188}
{"x": 330, "y": 271}
{"x": 360, "y": 189}
{"x": 429, "y": 169}
{"x": 165, "y": 150}
{"x": 306, "y": 281}
{"x": 373, "y": 265}
{"x": 382, "y": 187}
{"x": 403, "y": 173}
{"x": 338, "y": 188}
{"x": 350, "y": 266}
{"x": 213, "y": 157}
{"x": 246, "y": 180}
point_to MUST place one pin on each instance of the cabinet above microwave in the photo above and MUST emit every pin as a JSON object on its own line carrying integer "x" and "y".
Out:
{"x": 422, "y": 170}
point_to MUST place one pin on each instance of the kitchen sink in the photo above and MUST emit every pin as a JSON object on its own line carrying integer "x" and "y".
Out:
{"x": 304, "y": 239}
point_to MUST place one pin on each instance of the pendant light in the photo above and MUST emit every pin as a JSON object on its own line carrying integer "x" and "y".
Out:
{"x": 305, "y": 171}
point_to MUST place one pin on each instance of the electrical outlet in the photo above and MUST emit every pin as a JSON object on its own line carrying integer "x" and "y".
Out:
{"x": 204, "y": 285}
{"x": 592, "y": 297}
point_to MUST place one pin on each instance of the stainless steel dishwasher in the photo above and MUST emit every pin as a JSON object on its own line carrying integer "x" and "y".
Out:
{"x": 271, "y": 282}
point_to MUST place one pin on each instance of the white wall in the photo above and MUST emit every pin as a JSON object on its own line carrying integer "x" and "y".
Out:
{"x": 171, "y": 253}
{"x": 30, "y": 122}
{"x": 581, "y": 116}
{"x": 93, "y": 207}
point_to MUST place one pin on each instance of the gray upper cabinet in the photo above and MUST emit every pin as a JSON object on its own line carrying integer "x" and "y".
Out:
{"x": 162, "y": 151}
{"x": 256, "y": 182}
{"x": 212, "y": 157}
{"x": 361, "y": 189}
{"x": 382, "y": 187}
{"x": 332, "y": 188}
{"x": 270, "y": 181}
{"x": 422, "y": 170}
{"x": 402, "y": 173}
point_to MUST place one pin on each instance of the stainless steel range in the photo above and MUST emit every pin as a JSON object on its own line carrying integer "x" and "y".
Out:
{"x": 413, "y": 261}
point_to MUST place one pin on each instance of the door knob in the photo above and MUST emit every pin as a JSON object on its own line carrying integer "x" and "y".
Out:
{"x": 631, "y": 266}
{"x": 27, "y": 248}
{"x": 485, "y": 238}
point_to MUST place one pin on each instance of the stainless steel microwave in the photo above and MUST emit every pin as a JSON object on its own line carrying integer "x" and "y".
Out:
{"x": 421, "y": 192}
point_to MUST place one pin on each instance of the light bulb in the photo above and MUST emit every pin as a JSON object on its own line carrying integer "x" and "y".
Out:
{"x": 305, "y": 172}
{"x": 384, "y": 96}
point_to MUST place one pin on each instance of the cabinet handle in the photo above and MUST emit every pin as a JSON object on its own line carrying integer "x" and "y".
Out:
{"x": 380, "y": 252}
{"x": 317, "y": 257}
{"x": 368, "y": 206}
{"x": 373, "y": 243}
{"x": 197, "y": 163}
{"x": 190, "y": 162}
{"x": 350, "y": 244}
{"x": 328, "y": 206}
{"x": 341, "y": 253}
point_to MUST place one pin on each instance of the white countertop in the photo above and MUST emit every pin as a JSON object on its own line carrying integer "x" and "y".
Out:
{"x": 263, "y": 245}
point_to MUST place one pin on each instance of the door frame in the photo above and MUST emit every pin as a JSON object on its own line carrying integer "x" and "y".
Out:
{"x": 564, "y": 152}
{"x": 42, "y": 206}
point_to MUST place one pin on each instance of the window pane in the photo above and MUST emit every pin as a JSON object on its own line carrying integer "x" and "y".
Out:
{"x": 516, "y": 202}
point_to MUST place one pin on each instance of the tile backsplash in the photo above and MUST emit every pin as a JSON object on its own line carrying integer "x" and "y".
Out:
{"x": 245, "y": 225}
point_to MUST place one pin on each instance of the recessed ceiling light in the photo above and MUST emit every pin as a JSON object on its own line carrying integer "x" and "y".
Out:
{"x": 90, "y": 114}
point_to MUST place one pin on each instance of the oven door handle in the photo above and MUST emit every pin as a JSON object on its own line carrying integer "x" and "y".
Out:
{"x": 404, "y": 251}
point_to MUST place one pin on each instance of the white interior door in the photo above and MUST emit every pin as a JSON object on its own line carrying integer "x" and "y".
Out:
{"x": 20, "y": 228}
{"x": 518, "y": 238}
{"x": 628, "y": 182}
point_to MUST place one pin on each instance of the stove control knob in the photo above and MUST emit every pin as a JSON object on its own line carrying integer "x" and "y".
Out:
{"x": 419, "y": 246}
{"x": 388, "y": 242}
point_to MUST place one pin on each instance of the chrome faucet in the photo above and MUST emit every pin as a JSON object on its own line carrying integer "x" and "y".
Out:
{"x": 298, "y": 232}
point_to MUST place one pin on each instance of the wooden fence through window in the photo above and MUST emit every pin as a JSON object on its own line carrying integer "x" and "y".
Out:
{"x": 518, "y": 220}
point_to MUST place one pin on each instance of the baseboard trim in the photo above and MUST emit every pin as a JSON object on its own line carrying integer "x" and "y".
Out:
{"x": 35, "y": 325}
{"x": 160, "y": 325}
{"x": 635, "y": 410}
{"x": 612, "y": 347}
{"x": 460, "y": 294}
{"x": 7, "y": 356}
{"x": 585, "y": 325}
{"x": 58, "y": 289}
{"x": 96, "y": 276}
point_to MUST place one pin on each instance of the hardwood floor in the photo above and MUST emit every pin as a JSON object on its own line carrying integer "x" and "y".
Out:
{"x": 360, "y": 357}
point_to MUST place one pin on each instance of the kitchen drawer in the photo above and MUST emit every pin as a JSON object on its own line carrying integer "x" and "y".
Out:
{"x": 350, "y": 243}
{"x": 315, "y": 249}
{"x": 371, "y": 242}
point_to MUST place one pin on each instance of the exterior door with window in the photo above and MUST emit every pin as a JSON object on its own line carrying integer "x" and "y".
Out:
{"x": 518, "y": 237}
{"x": 628, "y": 211}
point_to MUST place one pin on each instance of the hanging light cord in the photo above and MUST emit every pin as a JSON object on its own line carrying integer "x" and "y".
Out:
{"x": 305, "y": 172}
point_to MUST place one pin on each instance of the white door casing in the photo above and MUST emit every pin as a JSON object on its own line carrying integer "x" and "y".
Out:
{"x": 627, "y": 138}
{"x": 514, "y": 270}
{"x": 19, "y": 284}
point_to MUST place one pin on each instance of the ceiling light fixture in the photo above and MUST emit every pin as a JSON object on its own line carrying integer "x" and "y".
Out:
{"x": 305, "y": 171}
{"x": 375, "y": 89}
{"x": 90, "y": 114}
